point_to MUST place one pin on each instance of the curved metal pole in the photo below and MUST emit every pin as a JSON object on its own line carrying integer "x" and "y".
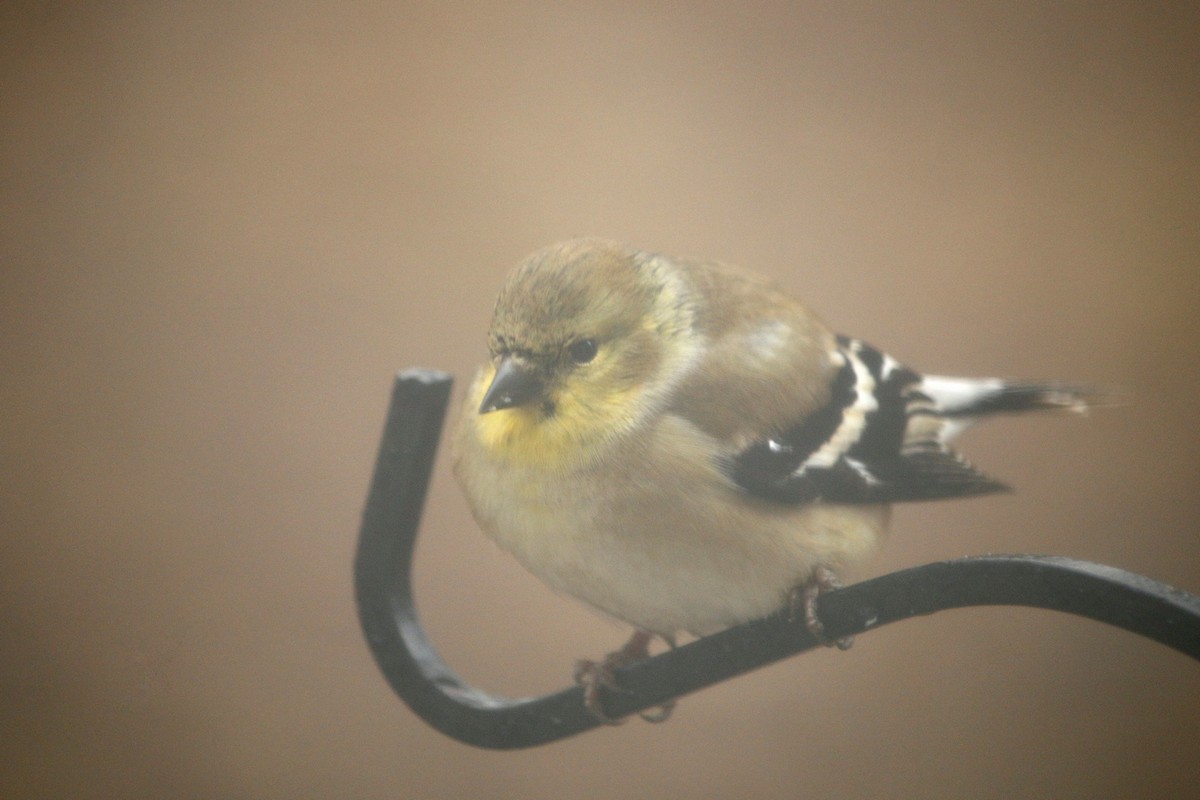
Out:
{"x": 382, "y": 575}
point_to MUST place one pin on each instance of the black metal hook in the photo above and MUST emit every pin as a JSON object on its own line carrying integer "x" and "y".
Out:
{"x": 382, "y": 576}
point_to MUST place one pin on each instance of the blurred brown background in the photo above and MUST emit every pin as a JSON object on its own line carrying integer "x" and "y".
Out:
{"x": 226, "y": 226}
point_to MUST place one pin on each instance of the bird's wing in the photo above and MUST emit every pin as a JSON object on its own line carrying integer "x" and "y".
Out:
{"x": 880, "y": 438}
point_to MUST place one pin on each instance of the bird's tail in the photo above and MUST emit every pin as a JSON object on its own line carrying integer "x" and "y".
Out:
{"x": 959, "y": 402}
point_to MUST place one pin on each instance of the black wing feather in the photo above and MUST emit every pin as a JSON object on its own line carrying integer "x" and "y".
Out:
{"x": 868, "y": 411}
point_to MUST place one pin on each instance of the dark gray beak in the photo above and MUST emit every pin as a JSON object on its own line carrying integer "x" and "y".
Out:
{"x": 516, "y": 384}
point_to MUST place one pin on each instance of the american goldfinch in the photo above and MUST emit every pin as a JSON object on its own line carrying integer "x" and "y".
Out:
{"x": 683, "y": 446}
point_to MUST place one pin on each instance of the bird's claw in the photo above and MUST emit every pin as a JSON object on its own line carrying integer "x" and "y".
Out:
{"x": 803, "y": 599}
{"x": 594, "y": 677}
{"x": 597, "y": 676}
{"x": 660, "y": 714}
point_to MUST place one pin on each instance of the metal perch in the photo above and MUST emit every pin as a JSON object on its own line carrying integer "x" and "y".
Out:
{"x": 383, "y": 586}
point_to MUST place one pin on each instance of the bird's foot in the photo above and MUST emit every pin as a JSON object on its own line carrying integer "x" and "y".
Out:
{"x": 803, "y": 600}
{"x": 596, "y": 676}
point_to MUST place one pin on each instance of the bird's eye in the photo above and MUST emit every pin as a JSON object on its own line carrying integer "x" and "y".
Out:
{"x": 582, "y": 351}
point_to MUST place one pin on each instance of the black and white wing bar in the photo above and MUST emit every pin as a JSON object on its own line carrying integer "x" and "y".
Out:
{"x": 883, "y": 435}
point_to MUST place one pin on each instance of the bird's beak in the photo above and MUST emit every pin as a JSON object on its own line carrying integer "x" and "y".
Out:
{"x": 515, "y": 384}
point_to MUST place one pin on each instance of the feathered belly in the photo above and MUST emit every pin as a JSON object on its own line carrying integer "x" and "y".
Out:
{"x": 687, "y": 564}
{"x": 656, "y": 535}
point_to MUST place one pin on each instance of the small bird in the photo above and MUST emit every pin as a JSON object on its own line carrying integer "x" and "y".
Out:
{"x": 683, "y": 446}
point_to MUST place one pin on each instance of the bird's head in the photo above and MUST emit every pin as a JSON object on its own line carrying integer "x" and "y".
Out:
{"x": 586, "y": 338}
